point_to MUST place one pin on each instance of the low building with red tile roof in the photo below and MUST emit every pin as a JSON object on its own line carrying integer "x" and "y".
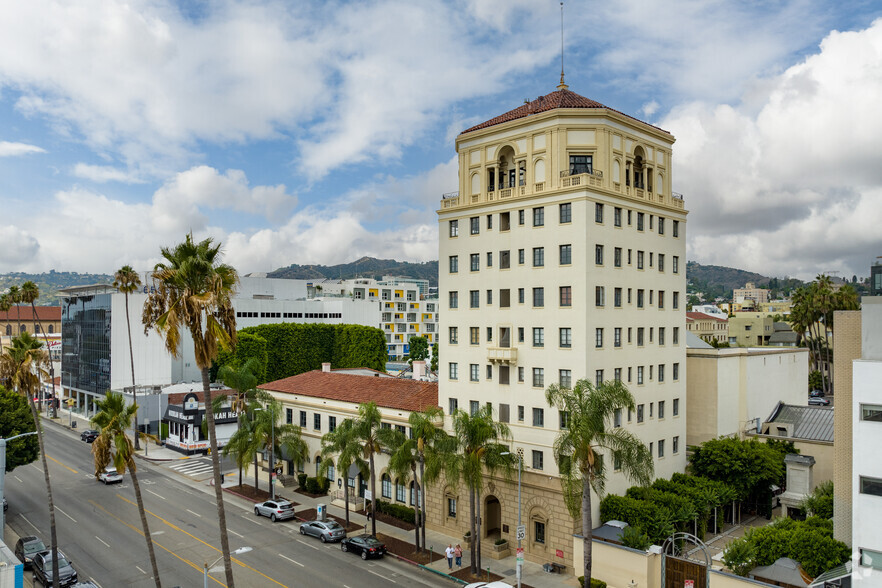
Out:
{"x": 20, "y": 319}
{"x": 707, "y": 326}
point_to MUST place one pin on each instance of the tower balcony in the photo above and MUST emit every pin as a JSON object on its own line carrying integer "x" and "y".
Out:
{"x": 502, "y": 355}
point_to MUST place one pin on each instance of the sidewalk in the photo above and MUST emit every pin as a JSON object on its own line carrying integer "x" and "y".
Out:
{"x": 10, "y": 537}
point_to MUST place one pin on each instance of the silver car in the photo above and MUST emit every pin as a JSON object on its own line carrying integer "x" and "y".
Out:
{"x": 110, "y": 476}
{"x": 276, "y": 510}
{"x": 324, "y": 530}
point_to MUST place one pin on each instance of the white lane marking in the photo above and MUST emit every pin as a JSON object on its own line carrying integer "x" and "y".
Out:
{"x": 94, "y": 581}
{"x": 194, "y": 513}
{"x": 67, "y": 515}
{"x": 157, "y": 532}
{"x": 35, "y": 467}
{"x": 345, "y": 586}
{"x": 19, "y": 479}
{"x": 102, "y": 541}
{"x": 381, "y": 575}
{"x": 292, "y": 561}
{"x": 154, "y": 493}
{"x": 140, "y": 570}
{"x": 29, "y": 522}
{"x": 235, "y": 533}
{"x": 307, "y": 544}
{"x": 250, "y": 520}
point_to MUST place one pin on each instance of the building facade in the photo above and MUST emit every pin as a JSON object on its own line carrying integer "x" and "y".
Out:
{"x": 562, "y": 257}
{"x": 847, "y": 342}
{"x": 750, "y": 329}
{"x": 22, "y": 319}
{"x": 750, "y": 292}
{"x": 708, "y": 327}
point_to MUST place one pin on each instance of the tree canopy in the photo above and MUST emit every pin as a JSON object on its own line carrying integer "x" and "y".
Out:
{"x": 747, "y": 466}
{"x": 15, "y": 419}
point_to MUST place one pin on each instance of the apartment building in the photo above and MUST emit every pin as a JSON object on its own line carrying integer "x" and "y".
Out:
{"x": 750, "y": 329}
{"x": 708, "y": 327}
{"x": 562, "y": 256}
{"x": 750, "y": 292}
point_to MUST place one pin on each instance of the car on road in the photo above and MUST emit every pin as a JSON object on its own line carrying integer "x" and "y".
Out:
{"x": 816, "y": 394}
{"x": 89, "y": 435}
{"x": 276, "y": 510}
{"x": 26, "y": 548}
{"x": 110, "y": 476}
{"x": 819, "y": 401}
{"x": 364, "y": 545}
{"x": 324, "y": 530}
{"x": 43, "y": 570}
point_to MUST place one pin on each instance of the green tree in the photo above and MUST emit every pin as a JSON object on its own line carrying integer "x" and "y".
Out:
{"x": 277, "y": 438}
{"x": 372, "y": 438}
{"x": 577, "y": 449}
{"x": 740, "y": 556}
{"x": 14, "y": 294}
{"x": 635, "y": 538}
{"x": 127, "y": 281}
{"x": 244, "y": 382}
{"x": 820, "y": 502}
{"x": 113, "y": 418}
{"x": 748, "y": 466}
{"x": 434, "y": 365}
{"x": 403, "y": 464}
{"x": 418, "y": 349}
{"x": 15, "y": 419}
{"x": 477, "y": 446}
{"x": 341, "y": 446}
{"x": 193, "y": 292}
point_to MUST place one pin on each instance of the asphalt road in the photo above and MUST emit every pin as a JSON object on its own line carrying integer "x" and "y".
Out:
{"x": 100, "y": 531}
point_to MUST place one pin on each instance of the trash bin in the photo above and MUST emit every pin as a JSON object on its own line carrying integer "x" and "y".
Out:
{"x": 73, "y": 424}
{"x": 321, "y": 512}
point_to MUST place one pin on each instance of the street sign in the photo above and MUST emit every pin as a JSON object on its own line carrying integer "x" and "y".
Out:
{"x": 368, "y": 495}
{"x": 522, "y": 532}
{"x": 520, "y": 554}
{"x": 689, "y": 584}
{"x": 279, "y": 471}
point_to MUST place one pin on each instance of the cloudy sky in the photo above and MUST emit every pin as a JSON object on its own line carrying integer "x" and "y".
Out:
{"x": 318, "y": 132}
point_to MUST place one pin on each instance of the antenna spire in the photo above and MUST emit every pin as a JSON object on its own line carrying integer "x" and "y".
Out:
{"x": 562, "y": 85}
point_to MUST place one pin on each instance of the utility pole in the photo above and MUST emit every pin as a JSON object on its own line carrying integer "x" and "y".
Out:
{"x": 3, "y": 474}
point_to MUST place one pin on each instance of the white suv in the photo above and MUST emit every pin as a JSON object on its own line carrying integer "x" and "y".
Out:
{"x": 110, "y": 476}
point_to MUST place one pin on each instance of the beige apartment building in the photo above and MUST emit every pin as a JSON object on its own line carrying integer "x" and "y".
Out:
{"x": 562, "y": 256}
{"x": 751, "y": 292}
{"x": 709, "y": 328}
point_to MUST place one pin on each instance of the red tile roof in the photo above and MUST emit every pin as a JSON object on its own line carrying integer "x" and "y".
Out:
{"x": 399, "y": 394}
{"x": 44, "y": 313}
{"x": 558, "y": 99}
{"x": 702, "y": 316}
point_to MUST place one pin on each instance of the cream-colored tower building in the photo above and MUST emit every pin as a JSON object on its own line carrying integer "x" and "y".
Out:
{"x": 562, "y": 257}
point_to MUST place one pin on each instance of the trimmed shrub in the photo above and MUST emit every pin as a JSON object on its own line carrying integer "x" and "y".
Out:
{"x": 316, "y": 485}
{"x": 301, "y": 480}
{"x": 595, "y": 583}
{"x": 399, "y": 511}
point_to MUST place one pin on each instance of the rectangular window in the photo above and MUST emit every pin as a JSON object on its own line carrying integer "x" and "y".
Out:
{"x": 661, "y": 262}
{"x": 661, "y": 335}
{"x": 538, "y": 256}
{"x": 539, "y": 216}
{"x": 489, "y": 297}
{"x": 317, "y": 422}
{"x": 566, "y": 213}
{"x": 639, "y": 336}
{"x": 453, "y": 228}
{"x": 661, "y": 447}
{"x": 538, "y": 297}
{"x": 538, "y": 417}
{"x": 387, "y": 487}
{"x": 504, "y": 259}
{"x": 489, "y": 221}
{"x": 629, "y": 257}
{"x": 639, "y": 260}
{"x": 661, "y": 298}
{"x": 454, "y": 264}
{"x": 538, "y": 377}
{"x": 675, "y": 265}
{"x": 474, "y": 262}
{"x": 676, "y": 407}
{"x": 598, "y": 377}
{"x": 520, "y": 334}
{"x": 489, "y": 259}
{"x": 302, "y": 419}
{"x": 521, "y": 376}
{"x": 617, "y": 337}
{"x": 566, "y": 378}
{"x": 640, "y": 298}
{"x": 475, "y": 225}
{"x": 566, "y": 295}
{"x": 640, "y": 221}
{"x": 489, "y": 334}
{"x": 639, "y": 408}
{"x": 332, "y": 423}
{"x": 537, "y": 460}
{"x": 521, "y": 256}
{"x": 566, "y": 254}
{"x": 474, "y": 336}
{"x": 598, "y": 337}
{"x": 675, "y": 303}
{"x": 676, "y": 228}
{"x": 474, "y": 406}
{"x": 661, "y": 372}
{"x": 676, "y": 372}
{"x": 629, "y": 218}
{"x": 521, "y": 217}
{"x": 520, "y": 414}
{"x": 453, "y": 405}
{"x": 617, "y": 216}
{"x": 474, "y": 298}
{"x": 503, "y": 379}
{"x": 520, "y": 295}
{"x": 871, "y": 412}
{"x": 617, "y": 257}
{"x": 676, "y": 337}
{"x": 504, "y": 298}
{"x": 872, "y": 486}
{"x": 564, "y": 418}
{"x": 504, "y": 413}
{"x": 598, "y": 254}
{"x": 639, "y": 374}
{"x": 538, "y": 337}
{"x": 661, "y": 409}
{"x": 580, "y": 164}
{"x": 661, "y": 225}
{"x": 617, "y": 374}
{"x": 675, "y": 445}
{"x": 452, "y": 370}
{"x": 473, "y": 372}
{"x": 454, "y": 299}
{"x": 598, "y": 212}
{"x": 566, "y": 337}
{"x": 454, "y": 335}
{"x": 617, "y": 297}
{"x": 289, "y": 416}
{"x": 489, "y": 372}
{"x": 451, "y": 507}
{"x": 599, "y": 296}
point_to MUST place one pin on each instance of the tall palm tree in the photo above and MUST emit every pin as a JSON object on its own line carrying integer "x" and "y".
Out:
{"x": 29, "y": 295}
{"x": 277, "y": 438}
{"x": 431, "y": 443}
{"x": 15, "y": 298}
{"x": 244, "y": 382}
{"x": 342, "y": 444}
{"x": 372, "y": 438}
{"x": 5, "y": 305}
{"x": 403, "y": 463}
{"x": 127, "y": 281}
{"x": 578, "y": 448}
{"x": 478, "y": 447}
{"x": 113, "y": 419}
{"x": 193, "y": 292}
{"x": 21, "y": 365}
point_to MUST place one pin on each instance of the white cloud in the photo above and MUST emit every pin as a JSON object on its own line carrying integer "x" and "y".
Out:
{"x": 105, "y": 173}
{"x": 8, "y": 149}
{"x": 18, "y": 248}
{"x": 789, "y": 185}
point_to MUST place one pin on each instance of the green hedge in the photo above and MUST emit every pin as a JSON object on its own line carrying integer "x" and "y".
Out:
{"x": 248, "y": 346}
{"x": 595, "y": 583}
{"x": 809, "y": 542}
{"x": 653, "y": 519}
{"x": 301, "y": 480}
{"x": 399, "y": 511}
{"x": 316, "y": 485}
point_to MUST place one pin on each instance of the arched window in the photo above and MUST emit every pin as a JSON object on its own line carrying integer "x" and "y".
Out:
{"x": 51, "y": 328}
{"x": 386, "y": 490}
{"x": 476, "y": 184}
{"x": 400, "y": 491}
{"x": 22, "y": 329}
{"x": 539, "y": 170}
{"x": 318, "y": 465}
{"x": 617, "y": 171}
{"x": 538, "y": 528}
{"x": 36, "y": 329}
{"x": 9, "y": 330}
{"x": 413, "y": 495}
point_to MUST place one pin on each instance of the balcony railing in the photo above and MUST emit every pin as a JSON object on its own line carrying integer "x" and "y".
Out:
{"x": 507, "y": 355}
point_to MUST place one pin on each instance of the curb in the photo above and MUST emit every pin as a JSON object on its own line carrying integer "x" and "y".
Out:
{"x": 428, "y": 569}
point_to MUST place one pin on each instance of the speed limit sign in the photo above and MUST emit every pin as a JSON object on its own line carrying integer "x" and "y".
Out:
{"x": 522, "y": 532}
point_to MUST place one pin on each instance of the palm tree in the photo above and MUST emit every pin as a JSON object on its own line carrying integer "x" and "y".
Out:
{"x": 578, "y": 447}
{"x": 430, "y": 438}
{"x": 29, "y": 295}
{"x": 478, "y": 446}
{"x": 372, "y": 438}
{"x": 127, "y": 281}
{"x": 276, "y": 438}
{"x": 403, "y": 463}
{"x": 193, "y": 292}
{"x": 113, "y": 419}
{"x": 5, "y": 305}
{"x": 15, "y": 298}
{"x": 343, "y": 443}
{"x": 21, "y": 365}
{"x": 244, "y": 382}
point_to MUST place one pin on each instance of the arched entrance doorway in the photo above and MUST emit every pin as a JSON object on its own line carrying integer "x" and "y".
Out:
{"x": 685, "y": 558}
{"x": 492, "y": 518}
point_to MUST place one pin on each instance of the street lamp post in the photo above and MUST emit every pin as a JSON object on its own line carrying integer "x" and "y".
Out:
{"x": 3, "y": 473}
{"x": 207, "y": 567}
{"x": 519, "y": 557}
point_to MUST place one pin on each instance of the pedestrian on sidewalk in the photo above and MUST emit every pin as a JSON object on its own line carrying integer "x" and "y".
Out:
{"x": 449, "y": 551}
{"x": 457, "y": 552}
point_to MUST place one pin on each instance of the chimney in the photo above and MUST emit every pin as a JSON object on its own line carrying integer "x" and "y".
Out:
{"x": 419, "y": 370}
{"x": 326, "y": 367}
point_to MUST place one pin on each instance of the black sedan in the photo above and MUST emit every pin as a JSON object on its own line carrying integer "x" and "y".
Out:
{"x": 43, "y": 570}
{"x": 26, "y": 548}
{"x": 89, "y": 435}
{"x": 364, "y": 545}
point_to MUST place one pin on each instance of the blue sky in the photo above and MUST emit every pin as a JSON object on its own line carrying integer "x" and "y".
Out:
{"x": 299, "y": 132}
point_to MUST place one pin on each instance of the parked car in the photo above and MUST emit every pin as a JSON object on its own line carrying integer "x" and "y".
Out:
{"x": 819, "y": 401}
{"x": 110, "y": 476}
{"x": 89, "y": 435}
{"x": 816, "y": 394}
{"x": 276, "y": 510}
{"x": 43, "y": 571}
{"x": 324, "y": 530}
{"x": 26, "y": 548}
{"x": 364, "y": 545}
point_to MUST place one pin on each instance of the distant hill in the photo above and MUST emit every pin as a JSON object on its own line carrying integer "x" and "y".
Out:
{"x": 366, "y": 267}
{"x": 719, "y": 281}
{"x": 50, "y": 283}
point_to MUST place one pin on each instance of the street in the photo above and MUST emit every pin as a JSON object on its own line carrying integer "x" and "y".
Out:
{"x": 99, "y": 530}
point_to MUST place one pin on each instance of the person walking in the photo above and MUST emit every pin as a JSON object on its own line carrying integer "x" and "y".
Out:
{"x": 457, "y": 553}
{"x": 449, "y": 552}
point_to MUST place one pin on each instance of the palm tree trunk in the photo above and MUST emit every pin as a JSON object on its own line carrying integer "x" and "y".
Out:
{"x": 218, "y": 490}
{"x": 416, "y": 509}
{"x": 240, "y": 476}
{"x": 346, "y": 495}
{"x": 255, "y": 473}
{"x": 144, "y": 526}
{"x": 586, "y": 529}
{"x": 53, "y": 536}
{"x": 132, "y": 359}
{"x": 373, "y": 497}
{"x": 478, "y": 528}
{"x": 51, "y": 367}
{"x": 423, "y": 501}
{"x": 472, "y": 560}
